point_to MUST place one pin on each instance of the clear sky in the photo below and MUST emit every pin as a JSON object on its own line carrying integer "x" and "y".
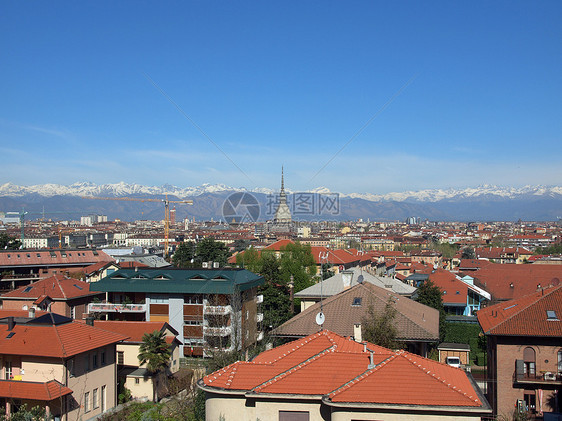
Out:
{"x": 457, "y": 93}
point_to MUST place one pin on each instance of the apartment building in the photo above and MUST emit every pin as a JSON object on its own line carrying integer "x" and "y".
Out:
{"x": 209, "y": 308}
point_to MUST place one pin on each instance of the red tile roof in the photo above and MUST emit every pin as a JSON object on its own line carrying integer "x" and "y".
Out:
{"x": 61, "y": 341}
{"x": 133, "y": 330}
{"x": 10, "y": 258}
{"x": 57, "y": 287}
{"x": 341, "y": 372}
{"x": 525, "y": 316}
{"x": 509, "y": 281}
{"x": 33, "y": 390}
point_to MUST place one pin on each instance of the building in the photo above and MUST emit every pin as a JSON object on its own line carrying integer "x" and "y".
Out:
{"x": 524, "y": 341}
{"x": 347, "y": 279}
{"x": 417, "y": 325}
{"x": 210, "y": 308}
{"x": 64, "y": 366}
{"x": 327, "y": 377}
{"x": 135, "y": 376}
{"x": 282, "y": 220}
{"x": 59, "y": 294}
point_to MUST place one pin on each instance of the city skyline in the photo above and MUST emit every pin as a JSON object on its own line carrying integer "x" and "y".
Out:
{"x": 366, "y": 97}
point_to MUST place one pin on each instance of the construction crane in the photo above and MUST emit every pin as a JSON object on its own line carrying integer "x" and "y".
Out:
{"x": 166, "y": 211}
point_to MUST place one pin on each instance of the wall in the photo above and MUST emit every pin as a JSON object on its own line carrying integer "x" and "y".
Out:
{"x": 341, "y": 414}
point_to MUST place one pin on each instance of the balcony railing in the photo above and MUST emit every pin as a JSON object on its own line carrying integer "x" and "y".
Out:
{"x": 217, "y": 331}
{"x": 259, "y": 299}
{"x": 218, "y": 310}
{"x": 260, "y": 336}
{"x": 259, "y": 317}
{"x": 116, "y": 308}
{"x": 545, "y": 377}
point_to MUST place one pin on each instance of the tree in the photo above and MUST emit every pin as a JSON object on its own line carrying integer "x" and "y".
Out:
{"x": 184, "y": 255}
{"x": 379, "y": 328}
{"x": 154, "y": 351}
{"x": 250, "y": 260}
{"x": 9, "y": 243}
{"x": 468, "y": 253}
{"x": 209, "y": 250}
{"x": 297, "y": 260}
{"x": 430, "y": 295}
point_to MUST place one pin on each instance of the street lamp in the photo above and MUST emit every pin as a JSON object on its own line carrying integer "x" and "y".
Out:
{"x": 291, "y": 287}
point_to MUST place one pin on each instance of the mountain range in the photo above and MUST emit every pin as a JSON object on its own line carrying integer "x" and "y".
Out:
{"x": 486, "y": 202}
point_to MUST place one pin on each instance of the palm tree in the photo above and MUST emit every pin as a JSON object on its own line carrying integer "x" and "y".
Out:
{"x": 154, "y": 351}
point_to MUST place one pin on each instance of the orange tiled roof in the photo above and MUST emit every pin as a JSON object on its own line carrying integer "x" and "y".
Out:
{"x": 33, "y": 390}
{"x": 525, "y": 316}
{"x": 341, "y": 371}
{"x": 57, "y": 287}
{"x": 61, "y": 341}
{"x": 134, "y": 330}
{"x": 9, "y": 258}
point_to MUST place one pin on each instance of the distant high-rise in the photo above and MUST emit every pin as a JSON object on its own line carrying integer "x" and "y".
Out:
{"x": 283, "y": 213}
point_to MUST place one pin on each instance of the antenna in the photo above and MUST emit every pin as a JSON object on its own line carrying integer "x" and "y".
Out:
{"x": 320, "y": 318}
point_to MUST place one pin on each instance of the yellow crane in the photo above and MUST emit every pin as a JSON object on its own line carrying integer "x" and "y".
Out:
{"x": 166, "y": 210}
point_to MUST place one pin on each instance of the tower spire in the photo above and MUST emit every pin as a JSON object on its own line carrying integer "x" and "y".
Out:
{"x": 282, "y": 181}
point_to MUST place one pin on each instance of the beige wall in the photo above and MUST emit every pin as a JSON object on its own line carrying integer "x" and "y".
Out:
{"x": 341, "y": 414}
{"x": 142, "y": 389}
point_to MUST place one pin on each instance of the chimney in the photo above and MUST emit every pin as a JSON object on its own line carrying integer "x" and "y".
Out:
{"x": 90, "y": 320}
{"x": 31, "y": 314}
{"x": 11, "y": 323}
{"x": 357, "y": 332}
{"x": 346, "y": 276}
{"x": 371, "y": 363}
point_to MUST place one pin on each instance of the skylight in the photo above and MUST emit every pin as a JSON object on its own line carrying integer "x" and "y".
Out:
{"x": 78, "y": 286}
{"x": 551, "y": 315}
{"x": 27, "y": 289}
{"x": 10, "y": 335}
{"x": 507, "y": 308}
{"x": 356, "y": 301}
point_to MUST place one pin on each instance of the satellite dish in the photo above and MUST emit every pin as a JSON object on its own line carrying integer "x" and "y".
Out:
{"x": 360, "y": 279}
{"x": 320, "y": 318}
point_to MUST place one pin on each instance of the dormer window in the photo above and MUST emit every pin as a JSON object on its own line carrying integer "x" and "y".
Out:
{"x": 551, "y": 315}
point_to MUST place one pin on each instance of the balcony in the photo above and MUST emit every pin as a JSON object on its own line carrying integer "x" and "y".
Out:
{"x": 217, "y": 331}
{"x": 259, "y": 317}
{"x": 544, "y": 378}
{"x": 217, "y": 310}
{"x": 260, "y": 336}
{"x": 116, "y": 308}
{"x": 259, "y": 299}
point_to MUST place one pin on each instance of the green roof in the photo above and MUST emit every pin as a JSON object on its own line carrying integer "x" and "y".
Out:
{"x": 178, "y": 281}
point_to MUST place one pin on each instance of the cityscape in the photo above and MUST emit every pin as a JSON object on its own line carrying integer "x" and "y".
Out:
{"x": 299, "y": 211}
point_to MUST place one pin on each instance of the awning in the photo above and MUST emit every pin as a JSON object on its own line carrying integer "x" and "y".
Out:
{"x": 33, "y": 390}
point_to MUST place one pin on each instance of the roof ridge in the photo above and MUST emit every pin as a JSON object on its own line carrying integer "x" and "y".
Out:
{"x": 307, "y": 339}
{"x": 361, "y": 376}
{"x": 433, "y": 375}
{"x": 293, "y": 368}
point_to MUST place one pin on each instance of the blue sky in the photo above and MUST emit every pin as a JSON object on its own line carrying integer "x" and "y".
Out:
{"x": 462, "y": 93}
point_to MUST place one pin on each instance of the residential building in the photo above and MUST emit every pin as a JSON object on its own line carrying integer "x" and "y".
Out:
{"x": 59, "y": 294}
{"x": 347, "y": 279}
{"x": 64, "y": 366}
{"x": 524, "y": 341}
{"x": 327, "y": 377}
{"x": 210, "y": 308}
{"x": 134, "y": 375}
{"x": 417, "y": 325}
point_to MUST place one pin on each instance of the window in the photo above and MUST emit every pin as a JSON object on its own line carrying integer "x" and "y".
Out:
{"x": 529, "y": 366}
{"x": 95, "y": 403}
{"x": 120, "y": 357}
{"x": 103, "y": 393}
{"x": 27, "y": 289}
{"x": 103, "y": 358}
{"x": 8, "y": 367}
{"x": 560, "y": 360}
{"x": 356, "y": 301}
{"x": 530, "y": 401}
{"x": 87, "y": 363}
{"x": 551, "y": 315}
{"x": 87, "y": 402}
{"x": 95, "y": 358}
{"x": 70, "y": 367}
{"x": 294, "y": 416}
{"x": 137, "y": 380}
{"x": 73, "y": 312}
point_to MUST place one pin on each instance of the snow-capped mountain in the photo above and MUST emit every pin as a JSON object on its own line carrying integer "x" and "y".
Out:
{"x": 122, "y": 189}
